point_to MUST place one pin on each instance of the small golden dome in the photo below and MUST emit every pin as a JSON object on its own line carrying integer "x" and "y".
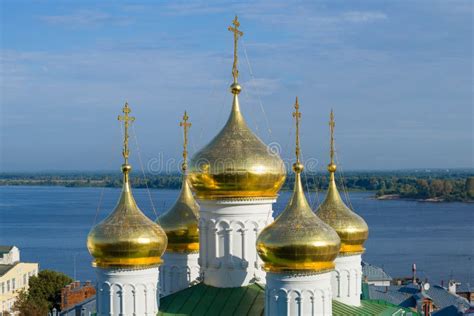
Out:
{"x": 126, "y": 238}
{"x": 180, "y": 222}
{"x": 236, "y": 163}
{"x": 351, "y": 228}
{"x": 298, "y": 240}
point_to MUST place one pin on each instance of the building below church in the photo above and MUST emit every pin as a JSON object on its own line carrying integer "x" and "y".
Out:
{"x": 14, "y": 276}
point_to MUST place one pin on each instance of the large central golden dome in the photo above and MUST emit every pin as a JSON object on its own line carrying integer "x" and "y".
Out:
{"x": 236, "y": 163}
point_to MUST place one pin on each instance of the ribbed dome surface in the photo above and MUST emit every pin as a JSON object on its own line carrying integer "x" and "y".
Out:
{"x": 236, "y": 164}
{"x": 126, "y": 238}
{"x": 180, "y": 222}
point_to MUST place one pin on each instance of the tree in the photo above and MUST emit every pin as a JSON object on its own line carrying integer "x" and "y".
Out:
{"x": 437, "y": 187}
{"x": 26, "y": 306}
{"x": 44, "y": 293}
{"x": 470, "y": 186}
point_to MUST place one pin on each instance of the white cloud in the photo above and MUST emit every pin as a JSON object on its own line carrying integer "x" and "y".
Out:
{"x": 85, "y": 18}
{"x": 363, "y": 16}
{"x": 194, "y": 8}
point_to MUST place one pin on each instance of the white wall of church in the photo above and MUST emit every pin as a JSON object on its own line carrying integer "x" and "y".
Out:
{"x": 179, "y": 271}
{"x": 347, "y": 279}
{"x": 228, "y": 231}
{"x": 127, "y": 292}
{"x": 288, "y": 294}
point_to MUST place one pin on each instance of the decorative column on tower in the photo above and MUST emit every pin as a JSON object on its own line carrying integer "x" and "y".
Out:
{"x": 127, "y": 248}
{"x": 353, "y": 231}
{"x": 298, "y": 250}
{"x": 180, "y": 222}
{"x": 236, "y": 178}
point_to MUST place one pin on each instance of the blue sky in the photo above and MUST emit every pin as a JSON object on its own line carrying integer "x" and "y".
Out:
{"x": 397, "y": 73}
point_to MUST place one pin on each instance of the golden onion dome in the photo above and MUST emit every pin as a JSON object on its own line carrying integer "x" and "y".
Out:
{"x": 180, "y": 222}
{"x": 236, "y": 163}
{"x": 126, "y": 238}
{"x": 298, "y": 240}
{"x": 351, "y": 228}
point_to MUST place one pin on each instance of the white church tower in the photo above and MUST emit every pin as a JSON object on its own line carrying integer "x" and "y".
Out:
{"x": 236, "y": 179}
{"x": 181, "y": 268}
{"x": 298, "y": 250}
{"x": 127, "y": 248}
{"x": 353, "y": 231}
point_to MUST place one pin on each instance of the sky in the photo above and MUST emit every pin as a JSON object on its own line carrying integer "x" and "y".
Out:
{"x": 398, "y": 74}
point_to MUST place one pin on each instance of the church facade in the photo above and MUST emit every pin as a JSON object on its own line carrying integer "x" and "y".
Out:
{"x": 218, "y": 250}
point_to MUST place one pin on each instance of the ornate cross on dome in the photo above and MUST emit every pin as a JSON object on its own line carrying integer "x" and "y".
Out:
{"x": 184, "y": 123}
{"x": 332, "y": 124}
{"x": 126, "y": 120}
{"x": 237, "y": 33}
{"x": 297, "y": 116}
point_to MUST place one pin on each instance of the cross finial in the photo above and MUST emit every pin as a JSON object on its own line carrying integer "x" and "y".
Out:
{"x": 126, "y": 122}
{"x": 297, "y": 116}
{"x": 185, "y": 125}
{"x": 237, "y": 33}
{"x": 332, "y": 124}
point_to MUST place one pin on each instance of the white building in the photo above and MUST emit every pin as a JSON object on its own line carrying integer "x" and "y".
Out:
{"x": 14, "y": 277}
{"x": 9, "y": 254}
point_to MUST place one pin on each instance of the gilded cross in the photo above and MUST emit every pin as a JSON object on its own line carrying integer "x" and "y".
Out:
{"x": 332, "y": 124}
{"x": 126, "y": 122}
{"x": 185, "y": 125}
{"x": 297, "y": 116}
{"x": 237, "y": 33}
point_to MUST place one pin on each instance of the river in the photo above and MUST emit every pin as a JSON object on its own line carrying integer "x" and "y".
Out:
{"x": 50, "y": 226}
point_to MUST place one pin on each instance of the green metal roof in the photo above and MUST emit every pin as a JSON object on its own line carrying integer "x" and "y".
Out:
{"x": 202, "y": 299}
{"x": 370, "y": 308}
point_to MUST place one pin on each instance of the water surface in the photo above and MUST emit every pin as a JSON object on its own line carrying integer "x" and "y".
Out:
{"x": 50, "y": 226}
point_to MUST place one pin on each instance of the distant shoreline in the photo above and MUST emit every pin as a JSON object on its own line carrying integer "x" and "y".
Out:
{"x": 433, "y": 186}
{"x": 397, "y": 197}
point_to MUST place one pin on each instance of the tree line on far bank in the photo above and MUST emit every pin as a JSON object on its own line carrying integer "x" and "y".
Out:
{"x": 457, "y": 185}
